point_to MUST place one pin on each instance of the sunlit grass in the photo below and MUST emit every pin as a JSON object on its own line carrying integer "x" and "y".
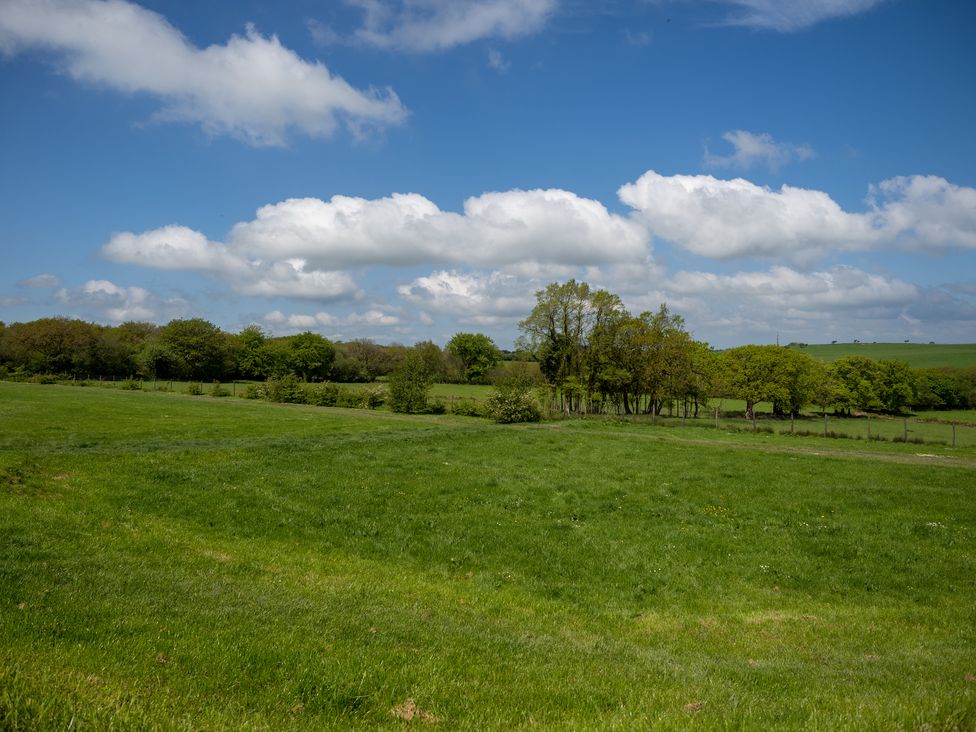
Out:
{"x": 168, "y": 561}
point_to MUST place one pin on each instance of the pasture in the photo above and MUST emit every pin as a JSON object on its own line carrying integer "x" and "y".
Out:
{"x": 916, "y": 355}
{"x": 176, "y": 562}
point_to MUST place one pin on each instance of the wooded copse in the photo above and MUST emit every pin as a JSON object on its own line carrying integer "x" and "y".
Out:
{"x": 593, "y": 355}
{"x": 596, "y": 357}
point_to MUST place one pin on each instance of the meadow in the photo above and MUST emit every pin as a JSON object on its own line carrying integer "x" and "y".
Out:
{"x": 916, "y": 355}
{"x": 177, "y": 562}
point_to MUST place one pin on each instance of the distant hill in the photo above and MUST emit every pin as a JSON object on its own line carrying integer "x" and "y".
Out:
{"x": 917, "y": 355}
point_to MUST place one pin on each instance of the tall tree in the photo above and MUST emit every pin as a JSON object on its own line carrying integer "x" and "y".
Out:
{"x": 310, "y": 355}
{"x": 199, "y": 348}
{"x": 477, "y": 353}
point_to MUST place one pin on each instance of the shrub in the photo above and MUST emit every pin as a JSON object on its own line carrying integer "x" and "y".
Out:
{"x": 219, "y": 391}
{"x": 131, "y": 385}
{"x": 322, "y": 395}
{"x": 254, "y": 391}
{"x": 287, "y": 390}
{"x": 513, "y": 400}
{"x": 45, "y": 379}
{"x": 513, "y": 406}
{"x": 438, "y": 406}
{"x": 409, "y": 385}
{"x": 194, "y": 389}
{"x": 467, "y": 408}
{"x": 372, "y": 397}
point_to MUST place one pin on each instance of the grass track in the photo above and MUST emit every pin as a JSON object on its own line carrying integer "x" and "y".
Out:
{"x": 176, "y": 562}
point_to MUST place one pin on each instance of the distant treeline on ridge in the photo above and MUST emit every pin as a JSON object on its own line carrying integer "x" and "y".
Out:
{"x": 591, "y": 353}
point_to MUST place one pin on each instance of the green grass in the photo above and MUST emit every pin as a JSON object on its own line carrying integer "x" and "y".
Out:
{"x": 478, "y": 392}
{"x": 177, "y": 562}
{"x": 916, "y": 355}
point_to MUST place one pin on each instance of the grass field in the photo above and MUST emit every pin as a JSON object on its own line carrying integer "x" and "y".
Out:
{"x": 174, "y": 562}
{"x": 916, "y": 355}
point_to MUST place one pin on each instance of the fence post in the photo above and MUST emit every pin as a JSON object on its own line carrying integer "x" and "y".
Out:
{"x": 905, "y": 425}
{"x": 953, "y": 434}
{"x": 825, "y": 423}
{"x": 869, "y": 427}
{"x": 653, "y": 412}
{"x": 792, "y": 423}
{"x": 716, "y": 417}
{"x": 753, "y": 419}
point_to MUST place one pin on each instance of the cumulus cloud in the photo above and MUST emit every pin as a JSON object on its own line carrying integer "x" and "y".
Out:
{"x": 784, "y": 289}
{"x": 793, "y": 15}
{"x": 42, "y": 281}
{"x": 183, "y": 249}
{"x": 372, "y": 318}
{"x": 118, "y": 303}
{"x": 750, "y": 149}
{"x": 305, "y": 247}
{"x": 734, "y": 218}
{"x": 173, "y": 247}
{"x": 436, "y": 25}
{"x": 252, "y": 87}
{"x": 737, "y": 218}
{"x": 473, "y": 297}
{"x": 926, "y": 211}
{"x": 551, "y": 226}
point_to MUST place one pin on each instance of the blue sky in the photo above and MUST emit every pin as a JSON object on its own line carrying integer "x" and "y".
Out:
{"x": 406, "y": 169}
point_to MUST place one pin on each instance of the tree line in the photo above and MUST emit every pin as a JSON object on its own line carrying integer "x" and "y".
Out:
{"x": 592, "y": 353}
{"x": 197, "y": 350}
{"x": 597, "y": 357}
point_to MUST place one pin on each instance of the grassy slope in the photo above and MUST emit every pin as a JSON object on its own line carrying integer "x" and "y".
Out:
{"x": 176, "y": 562}
{"x": 917, "y": 355}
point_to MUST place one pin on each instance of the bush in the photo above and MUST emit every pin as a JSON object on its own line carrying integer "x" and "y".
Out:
{"x": 372, "y": 397}
{"x": 467, "y": 408}
{"x": 219, "y": 391}
{"x": 322, "y": 395}
{"x": 254, "y": 391}
{"x": 409, "y": 385}
{"x": 513, "y": 400}
{"x": 194, "y": 389}
{"x": 131, "y": 385}
{"x": 513, "y": 405}
{"x": 286, "y": 390}
{"x": 45, "y": 379}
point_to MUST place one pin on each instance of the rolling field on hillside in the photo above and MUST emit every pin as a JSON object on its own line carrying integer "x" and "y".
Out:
{"x": 174, "y": 562}
{"x": 916, "y": 355}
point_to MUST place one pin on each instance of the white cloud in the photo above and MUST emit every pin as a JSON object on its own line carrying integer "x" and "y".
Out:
{"x": 372, "y": 318}
{"x": 304, "y": 247}
{"x": 548, "y": 226}
{"x": 751, "y": 149}
{"x": 737, "y": 218}
{"x": 43, "y": 281}
{"x": 183, "y": 249}
{"x": 480, "y": 298}
{"x": 118, "y": 303}
{"x": 782, "y": 289}
{"x": 793, "y": 15}
{"x": 927, "y": 212}
{"x": 172, "y": 247}
{"x": 734, "y": 218}
{"x": 252, "y": 87}
{"x": 436, "y": 25}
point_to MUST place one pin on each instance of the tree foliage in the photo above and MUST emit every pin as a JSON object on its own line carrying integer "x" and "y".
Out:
{"x": 410, "y": 385}
{"x": 477, "y": 354}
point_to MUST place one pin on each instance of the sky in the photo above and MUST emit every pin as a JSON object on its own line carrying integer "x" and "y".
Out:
{"x": 403, "y": 170}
